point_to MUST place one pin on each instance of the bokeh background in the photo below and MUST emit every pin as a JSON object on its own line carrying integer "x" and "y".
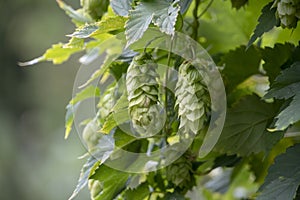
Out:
{"x": 35, "y": 160}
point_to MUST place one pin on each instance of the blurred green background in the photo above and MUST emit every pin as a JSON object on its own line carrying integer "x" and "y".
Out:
{"x": 35, "y": 161}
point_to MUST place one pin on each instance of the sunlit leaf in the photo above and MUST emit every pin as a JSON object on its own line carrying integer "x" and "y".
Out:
{"x": 121, "y": 7}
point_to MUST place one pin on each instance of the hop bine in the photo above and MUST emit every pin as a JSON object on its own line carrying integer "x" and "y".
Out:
{"x": 192, "y": 99}
{"x": 142, "y": 88}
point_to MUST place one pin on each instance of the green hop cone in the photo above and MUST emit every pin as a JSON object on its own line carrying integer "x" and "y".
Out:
{"x": 142, "y": 89}
{"x": 95, "y": 8}
{"x": 107, "y": 101}
{"x": 288, "y": 12}
{"x": 95, "y": 188}
{"x": 180, "y": 173}
{"x": 192, "y": 99}
{"x": 90, "y": 135}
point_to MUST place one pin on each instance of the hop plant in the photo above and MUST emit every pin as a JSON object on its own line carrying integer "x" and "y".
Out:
{"x": 142, "y": 88}
{"x": 288, "y": 11}
{"x": 192, "y": 98}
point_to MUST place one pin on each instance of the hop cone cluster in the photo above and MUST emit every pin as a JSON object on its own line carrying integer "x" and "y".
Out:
{"x": 180, "y": 173}
{"x": 192, "y": 98}
{"x": 288, "y": 12}
{"x": 142, "y": 89}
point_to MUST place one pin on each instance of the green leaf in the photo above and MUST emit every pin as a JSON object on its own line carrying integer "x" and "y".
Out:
{"x": 283, "y": 177}
{"x": 286, "y": 86}
{"x": 238, "y": 3}
{"x": 109, "y": 24}
{"x": 140, "y": 193}
{"x": 121, "y": 7}
{"x": 76, "y": 16}
{"x": 60, "y": 53}
{"x": 85, "y": 173}
{"x": 275, "y": 58}
{"x": 88, "y": 92}
{"x": 165, "y": 17}
{"x": 245, "y": 129}
{"x": 118, "y": 116}
{"x": 84, "y": 31}
{"x": 162, "y": 13}
{"x": 240, "y": 64}
{"x": 113, "y": 181}
{"x": 184, "y": 5}
{"x": 266, "y": 22}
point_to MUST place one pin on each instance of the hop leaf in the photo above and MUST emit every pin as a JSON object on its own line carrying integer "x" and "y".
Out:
{"x": 95, "y": 188}
{"x": 192, "y": 98}
{"x": 142, "y": 89}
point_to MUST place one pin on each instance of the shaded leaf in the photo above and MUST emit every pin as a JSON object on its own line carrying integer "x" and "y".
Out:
{"x": 283, "y": 177}
{"x": 286, "y": 86}
{"x": 245, "y": 129}
{"x": 121, "y": 7}
{"x": 275, "y": 58}
{"x": 238, "y": 3}
{"x": 266, "y": 22}
{"x": 240, "y": 65}
{"x": 184, "y": 5}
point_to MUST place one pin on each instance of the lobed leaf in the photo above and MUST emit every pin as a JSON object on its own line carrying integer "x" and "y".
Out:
{"x": 245, "y": 129}
{"x": 113, "y": 181}
{"x": 240, "y": 64}
{"x": 161, "y": 13}
{"x": 286, "y": 86}
{"x": 121, "y": 7}
{"x": 266, "y": 22}
{"x": 283, "y": 177}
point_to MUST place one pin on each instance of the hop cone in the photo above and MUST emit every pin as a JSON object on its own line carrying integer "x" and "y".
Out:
{"x": 107, "y": 101}
{"x": 90, "y": 134}
{"x": 192, "y": 98}
{"x": 95, "y": 188}
{"x": 288, "y": 12}
{"x": 142, "y": 89}
{"x": 180, "y": 173}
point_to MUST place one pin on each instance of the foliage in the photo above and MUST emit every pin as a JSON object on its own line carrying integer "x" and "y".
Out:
{"x": 262, "y": 84}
